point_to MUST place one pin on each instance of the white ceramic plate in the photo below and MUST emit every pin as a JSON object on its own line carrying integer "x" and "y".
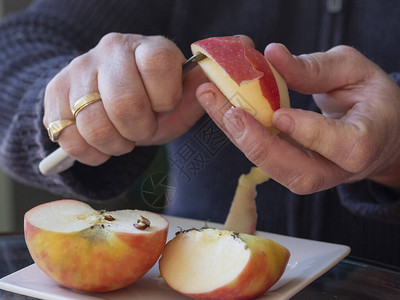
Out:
{"x": 308, "y": 260}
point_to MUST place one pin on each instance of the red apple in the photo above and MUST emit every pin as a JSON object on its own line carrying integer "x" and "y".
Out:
{"x": 95, "y": 251}
{"x": 220, "y": 264}
{"x": 244, "y": 76}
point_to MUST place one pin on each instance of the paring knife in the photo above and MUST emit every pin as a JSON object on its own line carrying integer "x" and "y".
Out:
{"x": 59, "y": 160}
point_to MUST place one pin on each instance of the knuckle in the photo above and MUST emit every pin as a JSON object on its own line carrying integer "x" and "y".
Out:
{"x": 108, "y": 41}
{"x": 54, "y": 85}
{"x": 361, "y": 155}
{"x": 79, "y": 64}
{"x": 158, "y": 61}
{"x": 99, "y": 135}
{"x": 114, "y": 42}
{"x": 167, "y": 105}
{"x": 51, "y": 86}
{"x": 46, "y": 119}
{"x": 256, "y": 152}
{"x": 125, "y": 107}
{"x": 123, "y": 150}
{"x": 346, "y": 50}
{"x": 303, "y": 183}
{"x": 144, "y": 136}
{"x": 312, "y": 65}
{"x": 54, "y": 91}
{"x": 348, "y": 53}
{"x": 76, "y": 149}
{"x": 48, "y": 96}
{"x": 313, "y": 137}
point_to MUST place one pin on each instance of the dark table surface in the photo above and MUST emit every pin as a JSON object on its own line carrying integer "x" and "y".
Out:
{"x": 350, "y": 279}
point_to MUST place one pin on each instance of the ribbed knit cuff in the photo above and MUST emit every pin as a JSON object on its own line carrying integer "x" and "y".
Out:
{"x": 372, "y": 200}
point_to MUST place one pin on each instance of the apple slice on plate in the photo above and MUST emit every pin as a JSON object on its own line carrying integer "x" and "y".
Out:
{"x": 219, "y": 264}
{"x": 244, "y": 76}
{"x": 95, "y": 251}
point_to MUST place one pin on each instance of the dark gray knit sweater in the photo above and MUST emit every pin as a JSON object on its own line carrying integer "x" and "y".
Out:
{"x": 204, "y": 165}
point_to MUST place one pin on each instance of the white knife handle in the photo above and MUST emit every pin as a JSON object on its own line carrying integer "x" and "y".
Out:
{"x": 56, "y": 162}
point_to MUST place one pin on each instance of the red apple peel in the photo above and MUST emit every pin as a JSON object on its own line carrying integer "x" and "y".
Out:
{"x": 244, "y": 76}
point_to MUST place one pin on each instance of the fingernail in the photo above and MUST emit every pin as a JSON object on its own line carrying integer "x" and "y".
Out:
{"x": 207, "y": 100}
{"x": 284, "y": 123}
{"x": 234, "y": 123}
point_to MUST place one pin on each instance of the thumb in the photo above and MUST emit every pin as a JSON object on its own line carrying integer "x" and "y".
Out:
{"x": 319, "y": 72}
{"x": 333, "y": 139}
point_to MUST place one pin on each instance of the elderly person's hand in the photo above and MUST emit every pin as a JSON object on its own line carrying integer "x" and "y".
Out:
{"x": 144, "y": 100}
{"x": 356, "y": 136}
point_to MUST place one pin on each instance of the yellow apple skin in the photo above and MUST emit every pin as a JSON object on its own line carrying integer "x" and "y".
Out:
{"x": 242, "y": 216}
{"x": 266, "y": 265}
{"x": 94, "y": 260}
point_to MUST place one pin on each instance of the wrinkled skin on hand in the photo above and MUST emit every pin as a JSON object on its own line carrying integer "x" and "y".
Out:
{"x": 356, "y": 137}
{"x": 145, "y": 100}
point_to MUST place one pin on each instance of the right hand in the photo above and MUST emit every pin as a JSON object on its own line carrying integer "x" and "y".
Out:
{"x": 355, "y": 137}
{"x": 144, "y": 99}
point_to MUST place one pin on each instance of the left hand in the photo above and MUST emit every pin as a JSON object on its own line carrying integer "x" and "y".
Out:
{"x": 145, "y": 100}
{"x": 356, "y": 137}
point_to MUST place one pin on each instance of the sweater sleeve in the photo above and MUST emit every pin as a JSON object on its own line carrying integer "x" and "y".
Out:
{"x": 36, "y": 44}
{"x": 371, "y": 200}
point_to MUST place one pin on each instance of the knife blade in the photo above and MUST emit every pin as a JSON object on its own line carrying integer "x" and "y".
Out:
{"x": 192, "y": 62}
{"x": 59, "y": 160}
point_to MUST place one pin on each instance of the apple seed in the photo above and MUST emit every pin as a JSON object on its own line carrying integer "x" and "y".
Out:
{"x": 142, "y": 223}
{"x": 109, "y": 218}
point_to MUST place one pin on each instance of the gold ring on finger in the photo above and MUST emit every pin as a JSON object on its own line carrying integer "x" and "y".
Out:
{"x": 84, "y": 101}
{"x": 56, "y": 127}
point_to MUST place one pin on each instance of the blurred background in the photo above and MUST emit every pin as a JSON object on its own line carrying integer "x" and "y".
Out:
{"x": 9, "y": 189}
{"x": 149, "y": 192}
